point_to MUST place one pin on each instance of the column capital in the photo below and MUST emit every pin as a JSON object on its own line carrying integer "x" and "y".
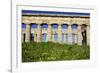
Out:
{"x": 27, "y": 23}
{"x": 79, "y": 25}
{"x": 79, "y": 28}
{"x": 59, "y": 27}
{"x": 69, "y": 27}
{"x": 88, "y": 25}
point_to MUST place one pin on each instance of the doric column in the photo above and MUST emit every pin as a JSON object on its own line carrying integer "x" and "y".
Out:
{"x": 69, "y": 34}
{"x": 39, "y": 33}
{"x": 35, "y": 37}
{"x": 88, "y": 35}
{"x": 64, "y": 38}
{"x": 52, "y": 37}
{"x": 49, "y": 33}
{"x": 79, "y": 35}
{"x": 59, "y": 33}
{"x": 75, "y": 38}
{"x": 28, "y": 32}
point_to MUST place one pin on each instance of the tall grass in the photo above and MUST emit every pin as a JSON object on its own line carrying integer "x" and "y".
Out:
{"x": 49, "y": 51}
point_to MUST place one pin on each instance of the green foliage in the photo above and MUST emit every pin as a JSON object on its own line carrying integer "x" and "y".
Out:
{"x": 49, "y": 51}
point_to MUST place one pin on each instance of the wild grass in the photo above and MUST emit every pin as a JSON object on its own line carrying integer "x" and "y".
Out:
{"x": 36, "y": 52}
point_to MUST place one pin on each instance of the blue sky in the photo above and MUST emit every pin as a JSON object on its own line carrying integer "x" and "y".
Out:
{"x": 54, "y": 12}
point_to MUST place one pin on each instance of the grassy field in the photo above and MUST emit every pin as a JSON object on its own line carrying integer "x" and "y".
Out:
{"x": 36, "y": 52}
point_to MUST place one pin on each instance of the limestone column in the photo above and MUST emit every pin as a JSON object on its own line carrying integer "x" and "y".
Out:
{"x": 23, "y": 37}
{"x": 69, "y": 34}
{"x": 28, "y": 32}
{"x": 88, "y": 35}
{"x": 79, "y": 35}
{"x": 35, "y": 37}
{"x": 39, "y": 33}
{"x": 59, "y": 34}
{"x": 64, "y": 38}
{"x": 52, "y": 37}
{"x": 49, "y": 33}
{"x": 75, "y": 38}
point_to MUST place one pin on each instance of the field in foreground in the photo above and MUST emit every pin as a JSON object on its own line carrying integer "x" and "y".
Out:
{"x": 36, "y": 52}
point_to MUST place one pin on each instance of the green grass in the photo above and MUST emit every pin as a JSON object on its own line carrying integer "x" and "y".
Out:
{"x": 36, "y": 52}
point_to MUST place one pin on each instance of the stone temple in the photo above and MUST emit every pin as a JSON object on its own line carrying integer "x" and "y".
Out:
{"x": 59, "y": 27}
